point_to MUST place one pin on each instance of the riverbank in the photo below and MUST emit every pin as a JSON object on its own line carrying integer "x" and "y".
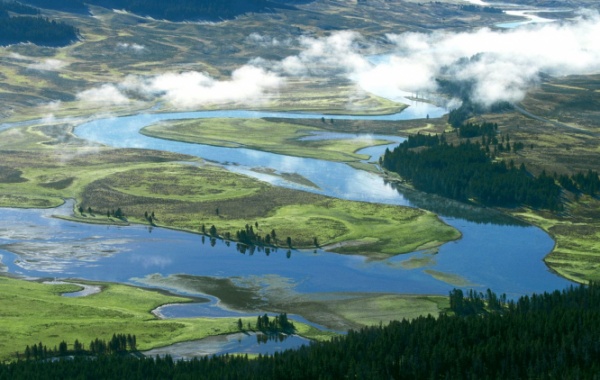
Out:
{"x": 231, "y": 203}
{"x": 336, "y": 311}
{"x": 39, "y": 313}
{"x": 266, "y": 135}
{"x": 142, "y": 182}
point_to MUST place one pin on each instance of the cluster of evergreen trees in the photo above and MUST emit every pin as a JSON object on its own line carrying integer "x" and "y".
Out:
{"x": 476, "y": 8}
{"x": 548, "y": 336}
{"x": 22, "y": 23}
{"x": 37, "y": 30}
{"x": 463, "y": 90}
{"x": 279, "y": 323}
{"x": 476, "y": 303}
{"x": 588, "y": 183}
{"x": 249, "y": 237}
{"x": 469, "y": 130}
{"x": 467, "y": 171}
{"x": 119, "y": 344}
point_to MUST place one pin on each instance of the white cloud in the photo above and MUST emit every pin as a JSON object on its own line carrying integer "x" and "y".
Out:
{"x": 107, "y": 94}
{"x": 502, "y": 65}
{"x": 46, "y": 65}
{"x": 127, "y": 46}
{"x": 19, "y": 57}
{"x": 267, "y": 41}
{"x": 248, "y": 84}
{"x": 186, "y": 90}
{"x": 498, "y": 64}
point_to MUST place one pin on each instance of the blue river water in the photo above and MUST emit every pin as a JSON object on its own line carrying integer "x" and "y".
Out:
{"x": 494, "y": 252}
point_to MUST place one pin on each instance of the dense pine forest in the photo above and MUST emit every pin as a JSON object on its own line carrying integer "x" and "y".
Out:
{"x": 552, "y": 335}
{"x": 16, "y": 28}
{"x": 177, "y": 10}
{"x": 469, "y": 170}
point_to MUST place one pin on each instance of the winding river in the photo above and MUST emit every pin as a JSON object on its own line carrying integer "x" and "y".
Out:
{"x": 494, "y": 252}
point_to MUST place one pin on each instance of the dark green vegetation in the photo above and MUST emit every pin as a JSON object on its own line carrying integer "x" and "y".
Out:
{"x": 552, "y": 335}
{"x": 476, "y": 8}
{"x": 468, "y": 170}
{"x": 559, "y": 119}
{"x": 34, "y": 312}
{"x": 117, "y": 345}
{"x": 37, "y": 30}
{"x": 278, "y": 324}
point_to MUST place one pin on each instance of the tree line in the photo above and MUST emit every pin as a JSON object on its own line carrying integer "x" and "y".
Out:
{"x": 476, "y": 8}
{"x": 552, "y": 335}
{"x": 468, "y": 171}
{"x": 118, "y": 344}
{"x": 36, "y": 30}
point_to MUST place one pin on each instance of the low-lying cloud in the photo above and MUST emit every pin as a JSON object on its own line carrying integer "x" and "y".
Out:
{"x": 49, "y": 64}
{"x": 267, "y": 41}
{"x": 133, "y": 46}
{"x": 190, "y": 89}
{"x": 107, "y": 94}
{"x": 500, "y": 65}
{"x": 497, "y": 65}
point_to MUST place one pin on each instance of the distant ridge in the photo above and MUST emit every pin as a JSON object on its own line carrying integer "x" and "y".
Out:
{"x": 177, "y": 10}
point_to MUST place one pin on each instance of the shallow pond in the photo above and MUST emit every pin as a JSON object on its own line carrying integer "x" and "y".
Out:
{"x": 244, "y": 343}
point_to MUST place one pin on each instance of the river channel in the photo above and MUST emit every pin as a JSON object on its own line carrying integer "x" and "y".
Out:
{"x": 494, "y": 252}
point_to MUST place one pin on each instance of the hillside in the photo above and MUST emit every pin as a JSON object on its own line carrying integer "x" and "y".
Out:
{"x": 179, "y": 10}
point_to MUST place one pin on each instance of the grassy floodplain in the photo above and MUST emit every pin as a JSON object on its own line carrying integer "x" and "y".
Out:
{"x": 179, "y": 200}
{"x": 47, "y": 164}
{"x": 267, "y": 135}
{"x": 39, "y": 313}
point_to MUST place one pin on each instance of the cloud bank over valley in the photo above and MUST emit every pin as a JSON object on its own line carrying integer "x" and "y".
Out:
{"x": 495, "y": 65}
